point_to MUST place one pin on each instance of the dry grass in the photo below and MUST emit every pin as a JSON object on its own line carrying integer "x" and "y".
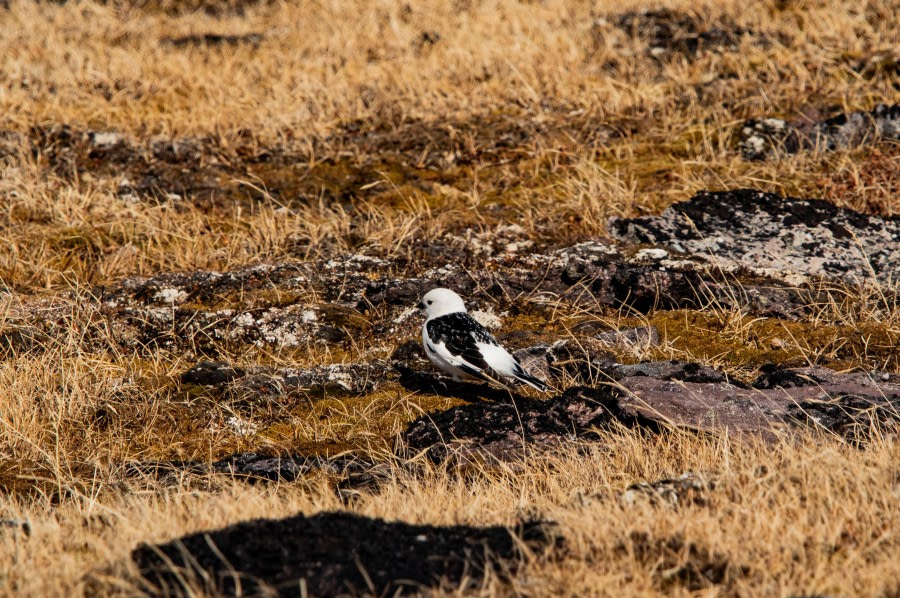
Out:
{"x": 341, "y": 127}
{"x": 809, "y": 516}
{"x": 609, "y": 130}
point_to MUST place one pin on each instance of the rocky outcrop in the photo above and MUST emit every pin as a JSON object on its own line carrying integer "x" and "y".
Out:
{"x": 782, "y": 237}
{"x": 658, "y": 395}
{"x": 335, "y": 554}
{"x": 772, "y": 137}
{"x": 745, "y": 250}
{"x": 652, "y": 396}
{"x": 262, "y": 382}
{"x": 504, "y": 430}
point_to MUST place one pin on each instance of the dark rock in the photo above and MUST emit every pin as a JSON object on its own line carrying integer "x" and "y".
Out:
{"x": 334, "y": 554}
{"x": 774, "y": 376}
{"x": 771, "y": 137}
{"x": 667, "y": 370}
{"x": 583, "y": 360}
{"x": 210, "y": 373}
{"x": 411, "y": 355}
{"x": 768, "y": 233}
{"x": 254, "y": 466}
{"x": 429, "y": 382}
{"x": 397, "y": 293}
{"x": 841, "y": 404}
{"x": 854, "y": 417}
{"x": 256, "y": 386}
{"x": 503, "y": 430}
{"x": 668, "y": 31}
{"x": 335, "y": 379}
{"x": 20, "y": 339}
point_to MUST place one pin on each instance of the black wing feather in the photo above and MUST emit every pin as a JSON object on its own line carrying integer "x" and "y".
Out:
{"x": 459, "y": 332}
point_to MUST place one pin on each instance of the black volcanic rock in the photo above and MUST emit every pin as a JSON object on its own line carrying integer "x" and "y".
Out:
{"x": 334, "y": 554}
{"x": 502, "y": 430}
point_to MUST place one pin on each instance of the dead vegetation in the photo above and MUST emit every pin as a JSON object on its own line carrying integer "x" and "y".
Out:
{"x": 146, "y": 138}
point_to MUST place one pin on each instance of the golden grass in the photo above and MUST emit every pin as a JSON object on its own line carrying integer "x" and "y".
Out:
{"x": 807, "y": 516}
{"x": 383, "y": 139}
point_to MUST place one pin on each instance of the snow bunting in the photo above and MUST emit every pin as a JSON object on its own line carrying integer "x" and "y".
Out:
{"x": 462, "y": 347}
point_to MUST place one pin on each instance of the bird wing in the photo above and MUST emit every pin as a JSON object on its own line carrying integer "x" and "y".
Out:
{"x": 456, "y": 338}
{"x": 459, "y": 340}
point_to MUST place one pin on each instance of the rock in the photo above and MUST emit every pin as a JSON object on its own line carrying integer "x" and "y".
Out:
{"x": 336, "y": 554}
{"x": 771, "y": 137}
{"x": 503, "y": 431}
{"x": 261, "y": 385}
{"x": 856, "y": 418}
{"x": 841, "y": 404}
{"x": 773, "y": 376}
{"x": 687, "y": 489}
{"x": 411, "y": 355}
{"x": 335, "y": 379}
{"x": 653, "y": 396}
{"x": 15, "y": 340}
{"x": 667, "y": 370}
{"x": 210, "y": 373}
{"x": 774, "y": 236}
{"x": 258, "y": 467}
{"x": 582, "y": 360}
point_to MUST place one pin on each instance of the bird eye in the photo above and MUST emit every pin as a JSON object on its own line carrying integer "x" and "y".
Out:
{"x": 430, "y": 302}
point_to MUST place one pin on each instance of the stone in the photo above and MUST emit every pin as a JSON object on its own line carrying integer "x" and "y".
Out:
{"x": 792, "y": 239}
{"x": 504, "y": 431}
{"x": 210, "y": 373}
{"x": 666, "y": 371}
{"x": 841, "y": 405}
{"x": 685, "y": 490}
{"x": 656, "y": 396}
{"x": 771, "y": 137}
{"x": 335, "y": 554}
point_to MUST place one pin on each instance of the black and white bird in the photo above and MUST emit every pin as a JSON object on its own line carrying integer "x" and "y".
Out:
{"x": 463, "y": 348}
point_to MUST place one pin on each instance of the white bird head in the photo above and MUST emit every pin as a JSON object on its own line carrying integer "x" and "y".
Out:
{"x": 440, "y": 302}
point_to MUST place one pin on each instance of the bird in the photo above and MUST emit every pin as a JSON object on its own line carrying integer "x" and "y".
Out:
{"x": 460, "y": 346}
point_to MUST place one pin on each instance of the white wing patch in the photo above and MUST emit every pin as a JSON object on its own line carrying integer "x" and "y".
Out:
{"x": 498, "y": 359}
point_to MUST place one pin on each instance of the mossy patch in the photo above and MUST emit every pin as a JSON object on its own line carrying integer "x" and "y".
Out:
{"x": 745, "y": 343}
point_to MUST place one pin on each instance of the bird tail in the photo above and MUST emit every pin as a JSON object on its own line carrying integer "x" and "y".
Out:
{"x": 526, "y": 378}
